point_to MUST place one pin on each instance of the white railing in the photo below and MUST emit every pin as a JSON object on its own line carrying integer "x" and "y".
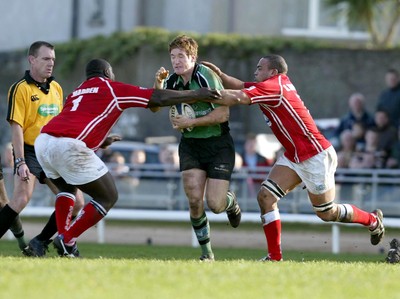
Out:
{"x": 182, "y": 216}
{"x": 157, "y": 194}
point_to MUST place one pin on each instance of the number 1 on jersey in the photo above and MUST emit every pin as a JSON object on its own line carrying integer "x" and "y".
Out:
{"x": 76, "y": 103}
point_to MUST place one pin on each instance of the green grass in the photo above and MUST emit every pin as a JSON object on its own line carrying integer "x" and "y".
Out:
{"x": 131, "y": 271}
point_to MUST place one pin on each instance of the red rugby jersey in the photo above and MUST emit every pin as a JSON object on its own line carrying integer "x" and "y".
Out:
{"x": 288, "y": 117}
{"x": 93, "y": 108}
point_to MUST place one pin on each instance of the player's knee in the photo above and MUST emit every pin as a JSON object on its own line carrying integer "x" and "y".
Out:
{"x": 113, "y": 198}
{"x": 108, "y": 200}
{"x": 270, "y": 193}
{"x": 195, "y": 204}
{"x": 216, "y": 207}
{"x": 78, "y": 205}
{"x": 326, "y": 212}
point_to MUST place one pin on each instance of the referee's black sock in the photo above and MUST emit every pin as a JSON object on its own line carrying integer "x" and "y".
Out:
{"x": 49, "y": 229}
{"x": 7, "y": 217}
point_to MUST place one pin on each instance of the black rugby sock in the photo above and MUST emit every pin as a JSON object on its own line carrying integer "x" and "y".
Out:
{"x": 49, "y": 229}
{"x": 7, "y": 217}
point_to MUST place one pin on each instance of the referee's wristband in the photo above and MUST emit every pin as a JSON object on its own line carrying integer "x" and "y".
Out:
{"x": 19, "y": 161}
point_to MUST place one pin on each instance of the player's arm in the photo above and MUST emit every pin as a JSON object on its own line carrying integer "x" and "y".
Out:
{"x": 167, "y": 97}
{"x": 228, "y": 81}
{"x": 232, "y": 97}
{"x": 17, "y": 139}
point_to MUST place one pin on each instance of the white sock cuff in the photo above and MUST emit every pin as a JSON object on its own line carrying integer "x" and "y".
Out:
{"x": 270, "y": 217}
{"x": 66, "y": 194}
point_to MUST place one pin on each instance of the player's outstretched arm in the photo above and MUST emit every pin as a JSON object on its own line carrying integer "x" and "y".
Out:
{"x": 232, "y": 97}
{"x": 227, "y": 81}
{"x": 167, "y": 97}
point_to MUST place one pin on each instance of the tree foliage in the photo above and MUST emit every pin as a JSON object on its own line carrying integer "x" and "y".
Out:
{"x": 380, "y": 17}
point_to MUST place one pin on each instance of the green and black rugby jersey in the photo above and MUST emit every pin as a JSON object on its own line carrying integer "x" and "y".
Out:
{"x": 202, "y": 77}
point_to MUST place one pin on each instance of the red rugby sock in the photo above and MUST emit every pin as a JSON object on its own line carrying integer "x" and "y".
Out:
{"x": 64, "y": 206}
{"x": 90, "y": 215}
{"x": 363, "y": 217}
{"x": 272, "y": 233}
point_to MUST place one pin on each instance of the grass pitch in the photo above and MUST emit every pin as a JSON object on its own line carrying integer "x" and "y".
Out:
{"x": 128, "y": 271}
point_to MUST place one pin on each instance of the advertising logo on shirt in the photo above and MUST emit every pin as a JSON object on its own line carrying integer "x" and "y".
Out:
{"x": 49, "y": 110}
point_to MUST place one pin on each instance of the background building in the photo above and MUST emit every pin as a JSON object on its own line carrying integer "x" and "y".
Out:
{"x": 60, "y": 21}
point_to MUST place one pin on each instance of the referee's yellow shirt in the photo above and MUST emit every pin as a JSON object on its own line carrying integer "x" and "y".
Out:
{"x": 32, "y": 105}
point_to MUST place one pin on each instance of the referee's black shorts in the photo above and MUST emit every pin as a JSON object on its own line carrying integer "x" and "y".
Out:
{"x": 215, "y": 155}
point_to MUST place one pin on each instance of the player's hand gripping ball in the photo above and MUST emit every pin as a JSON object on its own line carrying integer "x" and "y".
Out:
{"x": 182, "y": 109}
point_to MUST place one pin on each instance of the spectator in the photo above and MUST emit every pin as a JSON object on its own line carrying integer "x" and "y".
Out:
{"x": 118, "y": 166}
{"x": 357, "y": 113}
{"x": 138, "y": 157}
{"x": 168, "y": 157}
{"x": 347, "y": 148}
{"x": 393, "y": 160}
{"x": 358, "y": 133}
{"x": 387, "y": 135}
{"x": 238, "y": 162}
{"x": 124, "y": 181}
{"x": 389, "y": 99}
{"x": 252, "y": 160}
{"x": 367, "y": 158}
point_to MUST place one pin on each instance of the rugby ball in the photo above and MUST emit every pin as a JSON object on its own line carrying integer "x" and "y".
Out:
{"x": 182, "y": 109}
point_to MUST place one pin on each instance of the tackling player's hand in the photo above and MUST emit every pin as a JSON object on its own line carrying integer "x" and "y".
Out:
{"x": 109, "y": 140}
{"x": 213, "y": 67}
{"x": 208, "y": 94}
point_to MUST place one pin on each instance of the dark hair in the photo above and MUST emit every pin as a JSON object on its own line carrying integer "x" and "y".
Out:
{"x": 383, "y": 110}
{"x": 34, "y": 48}
{"x": 393, "y": 71}
{"x": 184, "y": 42}
{"x": 97, "y": 68}
{"x": 277, "y": 62}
